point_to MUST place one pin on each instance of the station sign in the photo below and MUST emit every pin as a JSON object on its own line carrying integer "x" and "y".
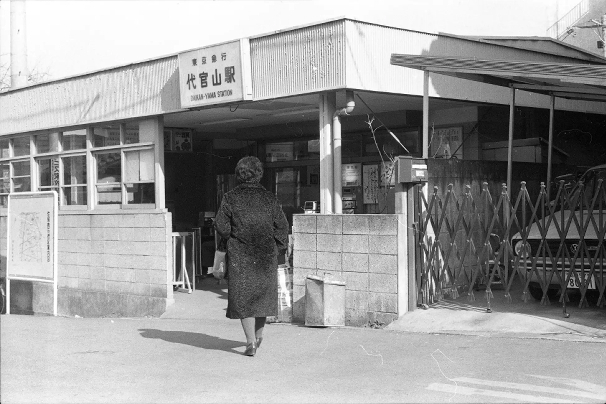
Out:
{"x": 215, "y": 74}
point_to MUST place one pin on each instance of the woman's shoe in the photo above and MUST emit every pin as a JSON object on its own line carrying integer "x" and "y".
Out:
{"x": 259, "y": 340}
{"x": 251, "y": 349}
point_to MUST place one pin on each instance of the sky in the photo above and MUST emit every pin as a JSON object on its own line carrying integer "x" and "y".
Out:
{"x": 70, "y": 37}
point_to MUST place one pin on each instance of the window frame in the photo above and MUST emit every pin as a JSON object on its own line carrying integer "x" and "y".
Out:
{"x": 89, "y": 152}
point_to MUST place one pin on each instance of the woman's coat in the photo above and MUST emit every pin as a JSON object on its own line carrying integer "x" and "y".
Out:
{"x": 252, "y": 221}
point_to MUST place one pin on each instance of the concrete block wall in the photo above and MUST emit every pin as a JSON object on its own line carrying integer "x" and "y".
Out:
{"x": 362, "y": 250}
{"x": 114, "y": 264}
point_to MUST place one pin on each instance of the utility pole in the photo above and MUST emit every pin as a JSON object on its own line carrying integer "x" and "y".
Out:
{"x": 19, "y": 71}
{"x": 600, "y": 27}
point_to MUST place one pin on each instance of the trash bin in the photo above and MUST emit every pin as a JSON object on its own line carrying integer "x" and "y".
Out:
{"x": 324, "y": 301}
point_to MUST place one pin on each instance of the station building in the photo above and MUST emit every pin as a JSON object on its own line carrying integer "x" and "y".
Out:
{"x": 139, "y": 151}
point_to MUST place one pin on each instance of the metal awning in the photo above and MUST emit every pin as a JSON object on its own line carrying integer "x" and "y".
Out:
{"x": 571, "y": 81}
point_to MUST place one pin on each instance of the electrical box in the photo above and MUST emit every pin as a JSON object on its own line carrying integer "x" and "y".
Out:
{"x": 349, "y": 201}
{"x": 410, "y": 170}
{"x": 311, "y": 207}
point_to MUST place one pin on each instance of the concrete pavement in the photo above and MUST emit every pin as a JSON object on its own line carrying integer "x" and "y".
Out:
{"x": 516, "y": 318}
{"x": 194, "y": 354}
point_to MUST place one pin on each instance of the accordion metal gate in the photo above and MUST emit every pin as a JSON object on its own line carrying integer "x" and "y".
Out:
{"x": 544, "y": 247}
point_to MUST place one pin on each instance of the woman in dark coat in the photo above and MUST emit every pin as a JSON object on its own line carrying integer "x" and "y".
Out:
{"x": 252, "y": 221}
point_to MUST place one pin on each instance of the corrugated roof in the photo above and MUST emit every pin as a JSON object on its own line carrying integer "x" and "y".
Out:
{"x": 540, "y": 44}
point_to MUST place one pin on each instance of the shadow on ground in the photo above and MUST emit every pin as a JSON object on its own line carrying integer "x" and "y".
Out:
{"x": 195, "y": 339}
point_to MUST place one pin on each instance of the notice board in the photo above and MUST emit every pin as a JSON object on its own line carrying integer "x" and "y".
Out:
{"x": 32, "y": 236}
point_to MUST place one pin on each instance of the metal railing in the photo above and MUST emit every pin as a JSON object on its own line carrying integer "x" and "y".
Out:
{"x": 560, "y": 28}
{"x": 186, "y": 259}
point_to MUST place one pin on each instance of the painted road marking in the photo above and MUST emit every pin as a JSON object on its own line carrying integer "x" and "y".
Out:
{"x": 539, "y": 389}
{"x": 471, "y": 391}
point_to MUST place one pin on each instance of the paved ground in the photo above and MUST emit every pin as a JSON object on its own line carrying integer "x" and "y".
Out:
{"x": 524, "y": 319}
{"x": 194, "y": 354}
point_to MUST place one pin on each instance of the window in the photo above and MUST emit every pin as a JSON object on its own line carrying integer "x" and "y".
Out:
{"x": 139, "y": 172}
{"x": 109, "y": 177}
{"x": 5, "y": 185}
{"x": 74, "y": 140}
{"x": 46, "y": 143}
{"x": 21, "y": 146}
{"x": 108, "y": 135}
{"x": 131, "y": 134}
{"x": 4, "y": 150}
{"x": 120, "y": 157}
{"x": 21, "y": 180}
{"x": 73, "y": 188}
{"x": 48, "y": 174}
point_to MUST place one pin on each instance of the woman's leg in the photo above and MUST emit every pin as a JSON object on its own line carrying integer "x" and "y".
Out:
{"x": 248, "y": 324}
{"x": 259, "y": 325}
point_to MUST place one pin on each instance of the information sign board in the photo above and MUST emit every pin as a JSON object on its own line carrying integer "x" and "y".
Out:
{"x": 32, "y": 239}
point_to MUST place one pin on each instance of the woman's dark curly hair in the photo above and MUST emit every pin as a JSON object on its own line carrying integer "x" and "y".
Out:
{"x": 249, "y": 170}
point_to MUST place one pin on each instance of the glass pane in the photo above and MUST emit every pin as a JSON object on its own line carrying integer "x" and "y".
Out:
{"x": 44, "y": 170}
{"x": 48, "y": 142}
{"x": 21, "y": 146}
{"x": 106, "y": 136}
{"x": 4, "y": 148}
{"x": 74, "y": 170}
{"x": 20, "y": 168}
{"x": 4, "y": 200}
{"x": 5, "y": 180}
{"x": 132, "y": 134}
{"x": 141, "y": 193}
{"x": 21, "y": 184}
{"x": 139, "y": 166}
{"x": 108, "y": 168}
{"x": 108, "y": 194}
{"x": 74, "y": 195}
{"x": 74, "y": 140}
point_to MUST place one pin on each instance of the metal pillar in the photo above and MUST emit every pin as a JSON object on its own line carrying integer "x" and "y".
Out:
{"x": 510, "y": 143}
{"x": 327, "y": 106}
{"x": 549, "y": 150}
{"x": 425, "y": 114}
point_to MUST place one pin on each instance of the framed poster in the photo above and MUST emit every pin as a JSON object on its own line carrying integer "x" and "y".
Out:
{"x": 446, "y": 141}
{"x": 351, "y": 174}
{"x": 279, "y": 151}
{"x": 182, "y": 141}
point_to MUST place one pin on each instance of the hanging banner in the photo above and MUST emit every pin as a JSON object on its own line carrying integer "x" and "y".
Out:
{"x": 370, "y": 183}
{"x": 215, "y": 74}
